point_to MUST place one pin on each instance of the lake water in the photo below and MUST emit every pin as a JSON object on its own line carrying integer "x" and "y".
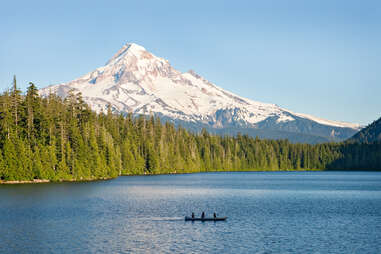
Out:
{"x": 268, "y": 212}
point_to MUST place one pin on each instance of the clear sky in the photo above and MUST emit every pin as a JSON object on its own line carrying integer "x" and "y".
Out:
{"x": 316, "y": 57}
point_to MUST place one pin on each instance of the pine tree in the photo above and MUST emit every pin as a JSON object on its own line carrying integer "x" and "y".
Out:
{"x": 2, "y": 167}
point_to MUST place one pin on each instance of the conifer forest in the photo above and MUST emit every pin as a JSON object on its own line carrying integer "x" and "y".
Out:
{"x": 62, "y": 139}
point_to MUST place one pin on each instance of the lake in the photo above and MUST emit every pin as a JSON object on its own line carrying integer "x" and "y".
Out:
{"x": 268, "y": 212}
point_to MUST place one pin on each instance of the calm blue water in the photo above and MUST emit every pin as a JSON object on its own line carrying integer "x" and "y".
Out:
{"x": 280, "y": 212}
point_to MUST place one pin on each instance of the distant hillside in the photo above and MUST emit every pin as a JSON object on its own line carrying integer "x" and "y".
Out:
{"x": 370, "y": 134}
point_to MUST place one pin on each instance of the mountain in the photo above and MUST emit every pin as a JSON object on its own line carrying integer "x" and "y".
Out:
{"x": 370, "y": 134}
{"x": 136, "y": 81}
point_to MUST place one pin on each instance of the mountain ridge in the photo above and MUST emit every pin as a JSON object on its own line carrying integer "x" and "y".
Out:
{"x": 138, "y": 82}
{"x": 369, "y": 134}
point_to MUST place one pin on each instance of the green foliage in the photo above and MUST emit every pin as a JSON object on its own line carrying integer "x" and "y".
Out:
{"x": 51, "y": 138}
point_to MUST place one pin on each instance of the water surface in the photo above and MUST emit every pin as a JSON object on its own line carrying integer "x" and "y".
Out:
{"x": 268, "y": 212}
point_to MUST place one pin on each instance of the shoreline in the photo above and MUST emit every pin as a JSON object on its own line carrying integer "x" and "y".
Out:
{"x": 25, "y": 181}
{"x": 37, "y": 181}
{"x": 231, "y": 171}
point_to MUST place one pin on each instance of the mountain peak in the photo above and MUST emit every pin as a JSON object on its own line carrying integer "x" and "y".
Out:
{"x": 128, "y": 48}
{"x": 134, "y": 80}
{"x": 133, "y": 47}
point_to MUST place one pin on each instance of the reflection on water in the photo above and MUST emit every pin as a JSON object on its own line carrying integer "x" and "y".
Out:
{"x": 277, "y": 212}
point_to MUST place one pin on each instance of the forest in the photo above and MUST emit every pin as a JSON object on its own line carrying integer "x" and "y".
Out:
{"x": 62, "y": 139}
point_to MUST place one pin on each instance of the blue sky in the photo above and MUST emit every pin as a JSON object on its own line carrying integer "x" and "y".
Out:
{"x": 316, "y": 57}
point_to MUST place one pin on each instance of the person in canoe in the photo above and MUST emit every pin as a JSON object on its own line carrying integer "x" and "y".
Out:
{"x": 203, "y": 215}
{"x": 214, "y": 215}
{"x": 192, "y": 215}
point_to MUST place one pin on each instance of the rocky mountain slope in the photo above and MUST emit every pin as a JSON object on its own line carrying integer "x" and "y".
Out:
{"x": 136, "y": 81}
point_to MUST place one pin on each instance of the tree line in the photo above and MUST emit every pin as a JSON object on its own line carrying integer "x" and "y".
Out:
{"x": 62, "y": 139}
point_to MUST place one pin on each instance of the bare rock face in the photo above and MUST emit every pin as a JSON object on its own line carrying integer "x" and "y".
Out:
{"x": 134, "y": 80}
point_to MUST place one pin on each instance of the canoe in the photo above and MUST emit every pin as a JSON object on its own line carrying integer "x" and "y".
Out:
{"x": 205, "y": 219}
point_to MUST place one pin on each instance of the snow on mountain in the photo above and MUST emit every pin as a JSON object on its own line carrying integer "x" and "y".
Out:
{"x": 136, "y": 81}
{"x": 329, "y": 122}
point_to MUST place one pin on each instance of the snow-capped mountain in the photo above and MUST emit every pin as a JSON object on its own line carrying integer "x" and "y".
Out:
{"x": 136, "y": 81}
